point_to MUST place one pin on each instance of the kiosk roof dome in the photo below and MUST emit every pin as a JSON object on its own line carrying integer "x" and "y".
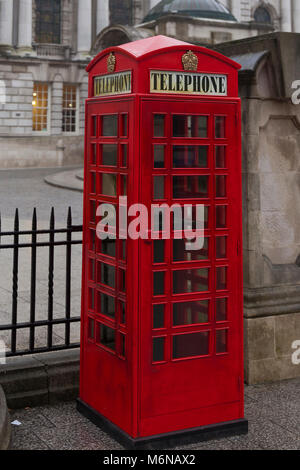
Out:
{"x": 210, "y": 9}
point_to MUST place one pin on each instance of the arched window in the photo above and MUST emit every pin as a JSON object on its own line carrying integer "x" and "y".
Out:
{"x": 48, "y": 19}
{"x": 262, "y": 15}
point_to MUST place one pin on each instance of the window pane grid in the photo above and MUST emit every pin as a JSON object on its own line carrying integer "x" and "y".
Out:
{"x": 48, "y": 21}
{"x": 69, "y": 108}
{"x": 40, "y": 101}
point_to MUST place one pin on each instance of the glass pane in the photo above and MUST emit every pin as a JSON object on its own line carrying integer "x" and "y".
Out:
{"x": 108, "y": 247}
{"x": 158, "y": 316}
{"x": 122, "y": 312}
{"x": 110, "y": 126}
{"x": 190, "y": 126}
{"x": 159, "y": 283}
{"x": 108, "y": 184}
{"x": 122, "y": 280}
{"x": 220, "y": 127}
{"x": 91, "y": 299}
{"x": 187, "y": 156}
{"x": 159, "y": 156}
{"x": 93, "y": 158}
{"x": 221, "y": 279}
{"x": 123, "y": 185}
{"x": 190, "y": 345}
{"x": 91, "y": 329}
{"x": 221, "y": 190}
{"x": 122, "y": 345}
{"x": 181, "y": 252}
{"x": 158, "y": 251}
{"x": 221, "y": 341}
{"x": 220, "y": 156}
{"x": 108, "y": 337}
{"x": 92, "y": 270}
{"x": 178, "y": 222}
{"x": 93, "y": 211}
{"x": 92, "y": 240}
{"x": 93, "y": 183}
{"x": 106, "y": 305}
{"x": 221, "y": 247}
{"x": 190, "y": 187}
{"x": 159, "y": 125}
{"x": 94, "y": 126}
{"x": 191, "y": 313}
{"x": 109, "y": 155}
{"x": 106, "y": 274}
{"x": 190, "y": 280}
{"x": 159, "y": 187}
{"x": 221, "y": 216}
{"x": 158, "y": 349}
{"x": 124, "y": 152}
{"x": 124, "y": 125}
{"x": 221, "y": 310}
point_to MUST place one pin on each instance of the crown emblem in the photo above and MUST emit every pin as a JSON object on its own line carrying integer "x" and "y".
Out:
{"x": 111, "y": 62}
{"x": 190, "y": 61}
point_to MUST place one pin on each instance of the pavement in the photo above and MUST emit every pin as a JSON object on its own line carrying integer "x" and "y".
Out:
{"x": 25, "y": 189}
{"x": 273, "y": 412}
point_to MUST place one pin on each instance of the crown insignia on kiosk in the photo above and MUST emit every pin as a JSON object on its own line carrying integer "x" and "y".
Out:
{"x": 190, "y": 61}
{"x": 111, "y": 62}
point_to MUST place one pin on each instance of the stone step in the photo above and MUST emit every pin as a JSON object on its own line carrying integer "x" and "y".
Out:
{"x": 5, "y": 426}
{"x": 71, "y": 179}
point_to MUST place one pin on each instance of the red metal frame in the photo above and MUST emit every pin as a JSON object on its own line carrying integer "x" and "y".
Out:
{"x": 174, "y": 393}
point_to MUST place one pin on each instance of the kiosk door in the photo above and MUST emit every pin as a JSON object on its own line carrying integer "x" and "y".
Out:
{"x": 191, "y": 308}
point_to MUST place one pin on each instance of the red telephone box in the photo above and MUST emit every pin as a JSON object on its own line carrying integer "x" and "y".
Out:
{"x": 162, "y": 324}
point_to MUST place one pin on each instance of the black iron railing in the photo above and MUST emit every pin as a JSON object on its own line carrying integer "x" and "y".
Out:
{"x": 16, "y": 237}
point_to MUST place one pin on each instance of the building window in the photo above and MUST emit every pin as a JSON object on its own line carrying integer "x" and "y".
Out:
{"x": 40, "y": 107}
{"x": 261, "y": 15}
{"x": 48, "y": 19}
{"x": 69, "y": 123}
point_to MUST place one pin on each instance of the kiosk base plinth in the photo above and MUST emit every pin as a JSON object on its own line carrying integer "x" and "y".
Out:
{"x": 169, "y": 440}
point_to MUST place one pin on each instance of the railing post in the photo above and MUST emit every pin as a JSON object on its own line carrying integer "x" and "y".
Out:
{"x": 50, "y": 278}
{"x": 15, "y": 283}
{"x": 33, "y": 282}
{"x": 68, "y": 275}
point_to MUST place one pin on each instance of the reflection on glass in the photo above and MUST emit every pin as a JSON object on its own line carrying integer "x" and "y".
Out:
{"x": 159, "y": 156}
{"x": 106, "y": 274}
{"x": 94, "y": 126}
{"x": 92, "y": 270}
{"x": 107, "y": 337}
{"x": 91, "y": 329}
{"x": 158, "y": 251}
{"x": 220, "y": 156}
{"x": 159, "y": 283}
{"x": 221, "y": 216}
{"x": 123, "y": 185}
{"x": 190, "y": 126}
{"x": 221, "y": 247}
{"x": 159, "y": 125}
{"x": 221, "y": 278}
{"x": 220, "y": 127}
{"x": 109, "y": 154}
{"x": 188, "y": 156}
{"x": 159, "y": 187}
{"x": 123, "y": 247}
{"x": 191, "y": 345}
{"x": 122, "y": 280}
{"x": 190, "y": 187}
{"x": 158, "y": 316}
{"x": 110, "y": 126}
{"x": 106, "y": 305}
{"x": 221, "y": 309}
{"x": 124, "y": 125}
{"x": 181, "y": 251}
{"x": 191, "y": 221}
{"x": 108, "y": 184}
{"x": 191, "y": 313}
{"x": 108, "y": 247}
{"x": 122, "y": 312}
{"x": 190, "y": 280}
{"x": 93, "y": 211}
{"x": 221, "y": 186}
{"x": 158, "y": 349}
{"x": 92, "y": 240}
{"x": 122, "y": 345}
{"x": 221, "y": 341}
{"x": 93, "y": 158}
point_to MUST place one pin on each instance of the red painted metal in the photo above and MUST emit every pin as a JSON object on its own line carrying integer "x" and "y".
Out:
{"x": 196, "y": 376}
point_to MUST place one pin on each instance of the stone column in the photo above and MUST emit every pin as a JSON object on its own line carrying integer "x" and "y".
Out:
{"x": 84, "y": 29}
{"x": 286, "y": 16}
{"x": 102, "y": 14}
{"x": 296, "y": 16}
{"x": 25, "y": 24}
{"x": 6, "y": 22}
{"x": 236, "y": 9}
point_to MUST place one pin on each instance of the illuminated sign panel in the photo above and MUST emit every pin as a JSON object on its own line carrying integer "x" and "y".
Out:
{"x": 113, "y": 84}
{"x": 188, "y": 83}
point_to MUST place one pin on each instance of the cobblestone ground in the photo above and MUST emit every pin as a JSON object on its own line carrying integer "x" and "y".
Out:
{"x": 26, "y": 189}
{"x": 273, "y": 412}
